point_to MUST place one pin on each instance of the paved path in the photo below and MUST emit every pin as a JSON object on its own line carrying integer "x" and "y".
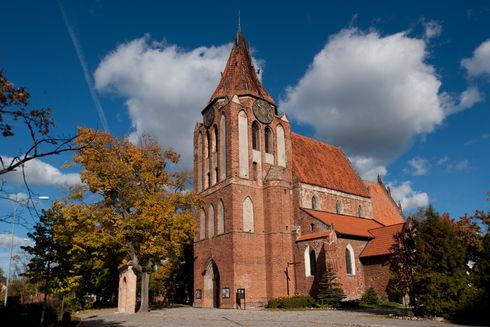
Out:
{"x": 194, "y": 317}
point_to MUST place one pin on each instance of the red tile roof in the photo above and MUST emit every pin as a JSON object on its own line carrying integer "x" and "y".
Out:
{"x": 324, "y": 165}
{"x": 239, "y": 76}
{"x": 384, "y": 208}
{"x": 313, "y": 236}
{"x": 346, "y": 225}
{"x": 384, "y": 238}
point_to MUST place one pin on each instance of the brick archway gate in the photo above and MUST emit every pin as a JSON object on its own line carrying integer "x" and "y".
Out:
{"x": 211, "y": 296}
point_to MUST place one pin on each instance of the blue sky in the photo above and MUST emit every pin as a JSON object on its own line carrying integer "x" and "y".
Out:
{"x": 384, "y": 80}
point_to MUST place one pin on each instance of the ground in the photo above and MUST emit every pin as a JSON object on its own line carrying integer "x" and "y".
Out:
{"x": 229, "y": 317}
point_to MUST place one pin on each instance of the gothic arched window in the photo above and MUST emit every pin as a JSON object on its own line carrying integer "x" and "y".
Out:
{"x": 243, "y": 144}
{"x": 211, "y": 221}
{"x": 222, "y": 147}
{"x": 248, "y": 215}
{"x": 202, "y": 225}
{"x": 314, "y": 204}
{"x": 221, "y": 218}
{"x": 268, "y": 140}
{"x": 281, "y": 146}
{"x": 255, "y": 136}
{"x": 312, "y": 262}
{"x": 199, "y": 162}
{"x": 350, "y": 260}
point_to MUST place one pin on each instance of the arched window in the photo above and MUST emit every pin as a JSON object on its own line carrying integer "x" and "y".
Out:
{"x": 338, "y": 207}
{"x": 359, "y": 211}
{"x": 350, "y": 263}
{"x": 199, "y": 162}
{"x": 222, "y": 147}
{"x": 268, "y": 140}
{"x": 248, "y": 215}
{"x": 281, "y": 146}
{"x": 314, "y": 204}
{"x": 202, "y": 225}
{"x": 255, "y": 136}
{"x": 221, "y": 218}
{"x": 243, "y": 144}
{"x": 214, "y": 156}
{"x": 310, "y": 262}
{"x": 211, "y": 221}
{"x": 207, "y": 156}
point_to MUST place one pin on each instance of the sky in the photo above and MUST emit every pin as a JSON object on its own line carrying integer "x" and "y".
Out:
{"x": 402, "y": 87}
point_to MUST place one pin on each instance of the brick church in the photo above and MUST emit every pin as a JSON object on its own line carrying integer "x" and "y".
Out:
{"x": 279, "y": 206}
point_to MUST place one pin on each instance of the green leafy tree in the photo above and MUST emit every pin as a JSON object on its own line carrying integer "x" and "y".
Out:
{"x": 50, "y": 265}
{"x": 329, "y": 291}
{"x": 441, "y": 283}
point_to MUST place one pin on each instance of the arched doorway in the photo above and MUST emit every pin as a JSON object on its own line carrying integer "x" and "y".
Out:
{"x": 212, "y": 285}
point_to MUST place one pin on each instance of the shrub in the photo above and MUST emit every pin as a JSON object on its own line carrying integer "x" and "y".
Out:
{"x": 370, "y": 297}
{"x": 291, "y": 302}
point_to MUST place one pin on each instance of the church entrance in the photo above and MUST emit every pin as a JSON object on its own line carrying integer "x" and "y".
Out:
{"x": 212, "y": 286}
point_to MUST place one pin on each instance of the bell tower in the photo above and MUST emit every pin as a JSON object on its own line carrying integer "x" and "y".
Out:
{"x": 243, "y": 171}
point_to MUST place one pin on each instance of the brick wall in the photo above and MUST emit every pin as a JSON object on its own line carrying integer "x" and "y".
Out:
{"x": 376, "y": 271}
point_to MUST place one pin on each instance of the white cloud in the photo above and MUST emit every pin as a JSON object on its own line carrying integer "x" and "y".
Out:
{"x": 368, "y": 168}
{"x": 5, "y": 240}
{"x": 419, "y": 166}
{"x": 166, "y": 87}
{"x": 371, "y": 94}
{"x": 41, "y": 173}
{"x": 442, "y": 160}
{"x": 479, "y": 63}
{"x": 409, "y": 198}
{"x": 432, "y": 28}
{"x": 461, "y": 165}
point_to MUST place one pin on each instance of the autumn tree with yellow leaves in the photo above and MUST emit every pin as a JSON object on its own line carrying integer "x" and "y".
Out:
{"x": 131, "y": 200}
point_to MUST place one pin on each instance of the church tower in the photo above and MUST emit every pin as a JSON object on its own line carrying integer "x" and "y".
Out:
{"x": 243, "y": 171}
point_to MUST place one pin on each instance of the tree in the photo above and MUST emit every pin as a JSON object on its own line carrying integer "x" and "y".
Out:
{"x": 440, "y": 279}
{"x": 50, "y": 264}
{"x": 329, "y": 291}
{"x": 14, "y": 103}
{"x": 144, "y": 209}
{"x": 402, "y": 261}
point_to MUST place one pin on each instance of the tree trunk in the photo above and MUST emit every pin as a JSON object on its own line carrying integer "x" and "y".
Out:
{"x": 145, "y": 281}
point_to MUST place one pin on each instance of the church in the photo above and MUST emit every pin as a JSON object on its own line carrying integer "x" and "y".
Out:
{"x": 278, "y": 206}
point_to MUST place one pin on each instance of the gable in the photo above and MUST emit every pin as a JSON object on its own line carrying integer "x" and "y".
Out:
{"x": 384, "y": 208}
{"x": 324, "y": 165}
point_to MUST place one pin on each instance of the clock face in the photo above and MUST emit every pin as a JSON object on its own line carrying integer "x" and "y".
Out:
{"x": 209, "y": 116}
{"x": 263, "y": 111}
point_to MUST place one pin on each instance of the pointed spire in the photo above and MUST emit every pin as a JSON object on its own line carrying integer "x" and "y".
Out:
{"x": 239, "y": 76}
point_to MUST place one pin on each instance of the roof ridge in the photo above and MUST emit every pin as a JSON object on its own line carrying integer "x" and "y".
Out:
{"x": 384, "y": 226}
{"x": 340, "y": 214}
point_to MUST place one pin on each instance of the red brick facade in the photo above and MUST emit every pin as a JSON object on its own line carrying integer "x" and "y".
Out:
{"x": 249, "y": 173}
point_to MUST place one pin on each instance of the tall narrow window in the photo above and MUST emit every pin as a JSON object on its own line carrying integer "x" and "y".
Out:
{"x": 207, "y": 155}
{"x": 281, "y": 146}
{"x": 199, "y": 162}
{"x": 359, "y": 211}
{"x": 214, "y": 155}
{"x": 211, "y": 221}
{"x": 350, "y": 260}
{"x": 221, "y": 218}
{"x": 243, "y": 145}
{"x": 255, "y": 171}
{"x": 255, "y": 136}
{"x": 312, "y": 262}
{"x": 314, "y": 204}
{"x": 338, "y": 207}
{"x": 222, "y": 147}
{"x": 248, "y": 215}
{"x": 202, "y": 225}
{"x": 268, "y": 140}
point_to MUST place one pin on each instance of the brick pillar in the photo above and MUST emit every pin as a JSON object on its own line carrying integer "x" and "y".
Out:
{"x": 126, "y": 302}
